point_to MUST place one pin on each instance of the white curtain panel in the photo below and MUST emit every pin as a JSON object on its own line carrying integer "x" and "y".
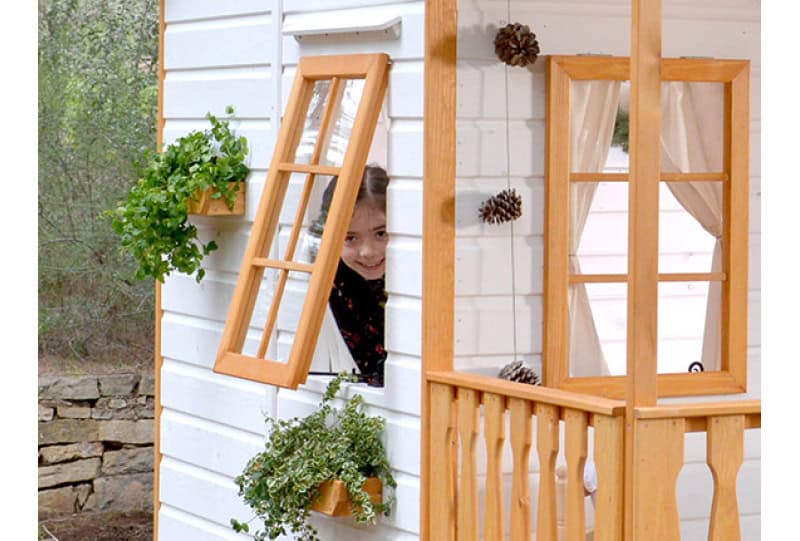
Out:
{"x": 691, "y": 142}
{"x": 593, "y": 113}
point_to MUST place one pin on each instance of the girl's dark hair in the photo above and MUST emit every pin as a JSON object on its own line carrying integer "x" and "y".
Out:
{"x": 372, "y": 189}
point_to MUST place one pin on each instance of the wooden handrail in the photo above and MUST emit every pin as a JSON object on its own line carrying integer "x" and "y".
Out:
{"x": 535, "y": 393}
{"x": 699, "y": 409}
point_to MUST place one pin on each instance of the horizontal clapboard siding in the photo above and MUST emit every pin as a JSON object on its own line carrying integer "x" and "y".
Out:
{"x": 220, "y": 53}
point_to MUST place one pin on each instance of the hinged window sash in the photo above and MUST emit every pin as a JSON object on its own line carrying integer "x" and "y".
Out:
{"x": 338, "y": 70}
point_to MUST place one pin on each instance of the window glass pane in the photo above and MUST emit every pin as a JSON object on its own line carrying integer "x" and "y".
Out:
{"x": 313, "y": 121}
{"x": 342, "y": 125}
{"x": 345, "y": 104}
{"x": 598, "y": 329}
{"x": 692, "y": 125}
{"x": 681, "y": 326}
{"x": 597, "y": 114}
{"x": 689, "y": 212}
{"x": 602, "y": 245}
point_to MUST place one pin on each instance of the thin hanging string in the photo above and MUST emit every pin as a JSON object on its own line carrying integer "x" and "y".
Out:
{"x": 508, "y": 186}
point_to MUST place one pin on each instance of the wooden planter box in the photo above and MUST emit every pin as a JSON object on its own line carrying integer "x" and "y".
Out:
{"x": 204, "y": 205}
{"x": 333, "y": 498}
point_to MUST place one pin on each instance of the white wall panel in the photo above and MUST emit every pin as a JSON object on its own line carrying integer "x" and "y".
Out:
{"x": 471, "y": 192}
{"x": 481, "y": 148}
{"x": 195, "y": 341}
{"x": 176, "y": 524}
{"x": 483, "y": 85}
{"x": 490, "y": 365}
{"x": 219, "y": 398}
{"x": 404, "y": 207}
{"x": 240, "y": 41}
{"x": 405, "y": 149}
{"x": 193, "y": 94}
{"x": 209, "y": 299}
{"x": 485, "y": 325}
{"x": 212, "y": 446}
{"x": 231, "y": 243}
{"x": 754, "y": 318}
{"x": 404, "y": 266}
{"x": 206, "y": 495}
{"x": 499, "y": 265}
{"x": 186, "y": 10}
{"x": 406, "y": 83}
{"x": 403, "y": 376}
{"x": 403, "y": 327}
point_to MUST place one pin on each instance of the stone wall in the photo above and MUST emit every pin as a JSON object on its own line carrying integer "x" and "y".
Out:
{"x": 95, "y": 443}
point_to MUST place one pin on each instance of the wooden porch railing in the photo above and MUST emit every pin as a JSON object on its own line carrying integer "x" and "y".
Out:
{"x": 659, "y": 448}
{"x": 456, "y": 400}
{"x": 455, "y": 414}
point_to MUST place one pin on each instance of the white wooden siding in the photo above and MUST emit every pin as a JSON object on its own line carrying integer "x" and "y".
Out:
{"x": 220, "y": 53}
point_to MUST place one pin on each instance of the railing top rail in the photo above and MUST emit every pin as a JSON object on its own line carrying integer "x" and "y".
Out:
{"x": 702, "y": 409}
{"x": 534, "y": 393}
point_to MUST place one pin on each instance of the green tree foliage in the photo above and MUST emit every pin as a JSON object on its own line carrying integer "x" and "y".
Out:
{"x": 620, "y": 137}
{"x": 98, "y": 99}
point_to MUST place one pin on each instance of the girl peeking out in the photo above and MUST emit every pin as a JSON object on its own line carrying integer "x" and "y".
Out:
{"x": 358, "y": 295}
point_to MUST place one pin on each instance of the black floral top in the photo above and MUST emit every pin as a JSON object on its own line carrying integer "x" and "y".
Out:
{"x": 358, "y": 306}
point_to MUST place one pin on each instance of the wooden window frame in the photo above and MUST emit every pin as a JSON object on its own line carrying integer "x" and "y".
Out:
{"x": 735, "y": 75}
{"x": 374, "y": 69}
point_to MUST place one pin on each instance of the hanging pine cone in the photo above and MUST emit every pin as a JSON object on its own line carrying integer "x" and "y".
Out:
{"x": 503, "y": 207}
{"x": 516, "y": 45}
{"x": 516, "y": 371}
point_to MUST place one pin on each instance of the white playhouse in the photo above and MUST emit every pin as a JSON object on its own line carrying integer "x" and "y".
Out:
{"x": 630, "y": 283}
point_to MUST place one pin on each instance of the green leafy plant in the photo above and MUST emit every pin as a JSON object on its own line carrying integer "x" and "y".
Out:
{"x": 153, "y": 223}
{"x": 620, "y": 136}
{"x": 281, "y": 483}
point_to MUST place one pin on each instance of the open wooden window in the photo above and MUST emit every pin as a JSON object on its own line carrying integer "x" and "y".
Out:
{"x": 286, "y": 275}
{"x": 704, "y": 176}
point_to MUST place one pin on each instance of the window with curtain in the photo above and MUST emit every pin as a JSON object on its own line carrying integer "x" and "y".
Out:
{"x": 702, "y": 234}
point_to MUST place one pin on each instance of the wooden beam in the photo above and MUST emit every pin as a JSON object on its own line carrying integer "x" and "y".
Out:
{"x": 642, "y": 335}
{"x": 438, "y": 240}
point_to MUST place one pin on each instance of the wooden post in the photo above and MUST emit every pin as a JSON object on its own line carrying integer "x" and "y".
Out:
{"x": 645, "y": 165}
{"x": 159, "y": 313}
{"x": 438, "y": 237}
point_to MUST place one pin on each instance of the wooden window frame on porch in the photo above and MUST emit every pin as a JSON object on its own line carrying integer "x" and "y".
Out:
{"x": 735, "y": 76}
{"x": 373, "y": 69}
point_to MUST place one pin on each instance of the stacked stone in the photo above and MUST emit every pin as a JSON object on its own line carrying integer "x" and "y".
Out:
{"x": 95, "y": 443}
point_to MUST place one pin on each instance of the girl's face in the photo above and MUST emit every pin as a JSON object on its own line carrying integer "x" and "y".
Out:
{"x": 365, "y": 244}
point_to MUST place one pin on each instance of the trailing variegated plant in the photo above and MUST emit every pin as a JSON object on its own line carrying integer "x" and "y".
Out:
{"x": 281, "y": 483}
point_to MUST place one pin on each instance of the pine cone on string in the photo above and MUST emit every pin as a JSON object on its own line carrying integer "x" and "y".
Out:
{"x": 516, "y": 371}
{"x": 503, "y": 207}
{"x": 516, "y": 45}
